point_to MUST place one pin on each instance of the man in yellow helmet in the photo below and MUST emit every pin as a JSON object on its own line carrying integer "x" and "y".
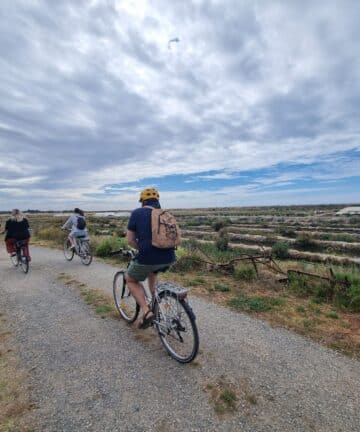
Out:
{"x": 150, "y": 259}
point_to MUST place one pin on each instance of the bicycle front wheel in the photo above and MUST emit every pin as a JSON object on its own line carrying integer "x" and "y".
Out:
{"x": 85, "y": 254}
{"x": 24, "y": 263}
{"x": 68, "y": 253}
{"x": 175, "y": 323}
{"x": 125, "y": 303}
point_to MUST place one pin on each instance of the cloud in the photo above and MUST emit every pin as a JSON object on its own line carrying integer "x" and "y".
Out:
{"x": 91, "y": 96}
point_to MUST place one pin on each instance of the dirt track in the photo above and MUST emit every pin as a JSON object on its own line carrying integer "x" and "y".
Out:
{"x": 90, "y": 374}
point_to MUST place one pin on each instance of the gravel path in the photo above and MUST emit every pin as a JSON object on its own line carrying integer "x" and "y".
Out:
{"x": 93, "y": 374}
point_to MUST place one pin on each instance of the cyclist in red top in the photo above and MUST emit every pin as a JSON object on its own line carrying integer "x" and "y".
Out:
{"x": 16, "y": 229}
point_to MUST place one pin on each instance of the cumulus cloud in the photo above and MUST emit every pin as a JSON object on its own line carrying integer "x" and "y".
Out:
{"x": 91, "y": 95}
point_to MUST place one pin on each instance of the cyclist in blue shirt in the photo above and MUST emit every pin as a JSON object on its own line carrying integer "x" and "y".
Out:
{"x": 150, "y": 259}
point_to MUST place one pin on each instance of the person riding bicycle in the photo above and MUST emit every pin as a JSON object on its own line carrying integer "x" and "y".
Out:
{"x": 77, "y": 223}
{"x": 17, "y": 229}
{"x": 149, "y": 259}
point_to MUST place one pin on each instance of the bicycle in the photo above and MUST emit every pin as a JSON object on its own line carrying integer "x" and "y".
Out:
{"x": 82, "y": 249}
{"x": 20, "y": 257}
{"x": 174, "y": 319}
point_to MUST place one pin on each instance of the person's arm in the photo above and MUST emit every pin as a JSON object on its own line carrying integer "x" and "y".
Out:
{"x": 67, "y": 224}
{"x": 131, "y": 239}
{"x": 27, "y": 226}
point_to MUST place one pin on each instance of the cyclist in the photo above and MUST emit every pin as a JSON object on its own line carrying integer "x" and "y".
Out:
{"x": 16, "y": 229}
{"x": 77, "y": 223}
{"x": 149, "y": 259}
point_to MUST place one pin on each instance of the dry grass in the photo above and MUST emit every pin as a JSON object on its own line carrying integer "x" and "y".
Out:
{"x": 14, "y": 395}
{"x": 222, "y": 396}
{"x": 227, "y": 396}
{"x": 100, "y": 302}
{"x": 340, "y": 330}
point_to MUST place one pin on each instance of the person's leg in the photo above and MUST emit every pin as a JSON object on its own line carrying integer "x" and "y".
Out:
{"x": 137, "y": 291}
{"x": 72, "y": 240}
{"x": 10, "y": 246}
{"x": 152, "y": 277}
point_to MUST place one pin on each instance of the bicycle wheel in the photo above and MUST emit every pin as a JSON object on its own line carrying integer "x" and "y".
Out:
{"x": 124, "y": 301}
{"x": 85, "y": 253}
{"x": 14, "y": 260}
{"x": 175, "y": 323}
{"x": 24, "y": 263}
{"x": 68, "y": 253}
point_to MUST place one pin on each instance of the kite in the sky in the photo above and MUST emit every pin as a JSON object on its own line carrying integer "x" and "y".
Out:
{"x": 171, "y": 41}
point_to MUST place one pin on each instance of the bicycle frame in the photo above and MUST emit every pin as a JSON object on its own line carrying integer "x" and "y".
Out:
{"x": 174, "y": 319}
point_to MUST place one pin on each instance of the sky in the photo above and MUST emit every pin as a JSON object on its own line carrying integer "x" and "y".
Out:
{"x": 258, "y": 103}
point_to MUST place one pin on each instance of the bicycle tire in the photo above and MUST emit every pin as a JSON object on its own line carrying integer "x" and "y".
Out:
{"x": 68, "y": 253}
{"x": 24, "y": 263}
{"x": 124, "y": 302}
{"x": 85, "y": 253}
{"x": 178, "y": 326}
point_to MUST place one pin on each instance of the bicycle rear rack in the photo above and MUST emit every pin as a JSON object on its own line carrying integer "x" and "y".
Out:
{"x": 178, "y": 290}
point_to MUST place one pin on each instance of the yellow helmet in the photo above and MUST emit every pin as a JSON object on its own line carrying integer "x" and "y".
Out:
{"x": 150, "y": 193}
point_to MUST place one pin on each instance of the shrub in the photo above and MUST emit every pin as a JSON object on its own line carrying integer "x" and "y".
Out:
{"x": 119, "y": 232}
{"x": 306, "y": 242}
{"x": 349, "y": 298}
{"x": 245, "y": 272}
{"x": 108, "y": 245}
{"x": 220, "y": 224}
{"x": 222, "y": 241}
{"x": 287, "y": 232}
{"x": 280, "y": 250}
{"x": 187, "y": 263}
{"x": 300, "y": 284}
{"x": 52, "y": 234}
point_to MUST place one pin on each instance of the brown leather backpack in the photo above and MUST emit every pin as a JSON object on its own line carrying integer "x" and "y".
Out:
{"x": 165, "y": 231}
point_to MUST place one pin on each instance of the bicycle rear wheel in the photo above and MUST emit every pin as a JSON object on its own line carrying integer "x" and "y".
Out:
{"x": 24, "y": 263}
{"x": 175, "y": 323}
{"x": 85, "y": 253}
{"x": 125, "y": 303}
{"x": 68, "y": 253}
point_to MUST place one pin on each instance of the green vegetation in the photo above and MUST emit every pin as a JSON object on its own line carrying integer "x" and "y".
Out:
{"x": 280, "y": 250}
{"x": 256, "y": 304}
{"x": 287, "y": 232}
{"x": 306, "y": 242}
{"x": 110, "y": 244}
{"x": 222, "y": 396}
{"x": 221, "y": 287}
{"x": 229, "y": 398}
{"x": 324, "y": 291}
{"x": 245, "y": 272}
{"x": 222, "y": 241}
{"x": 220, "y": 224}
{"x": 349, "y": 298}
{"x": 187, "y": 263}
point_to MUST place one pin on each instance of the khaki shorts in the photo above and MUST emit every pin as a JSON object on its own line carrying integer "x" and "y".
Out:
{"x": 140, "y": 272}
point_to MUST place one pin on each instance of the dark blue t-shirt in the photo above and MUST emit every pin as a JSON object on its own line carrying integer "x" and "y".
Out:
{"x": 140, "y": 223}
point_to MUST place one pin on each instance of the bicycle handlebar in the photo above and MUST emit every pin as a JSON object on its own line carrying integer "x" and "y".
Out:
{"x": 130, "y": 253}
